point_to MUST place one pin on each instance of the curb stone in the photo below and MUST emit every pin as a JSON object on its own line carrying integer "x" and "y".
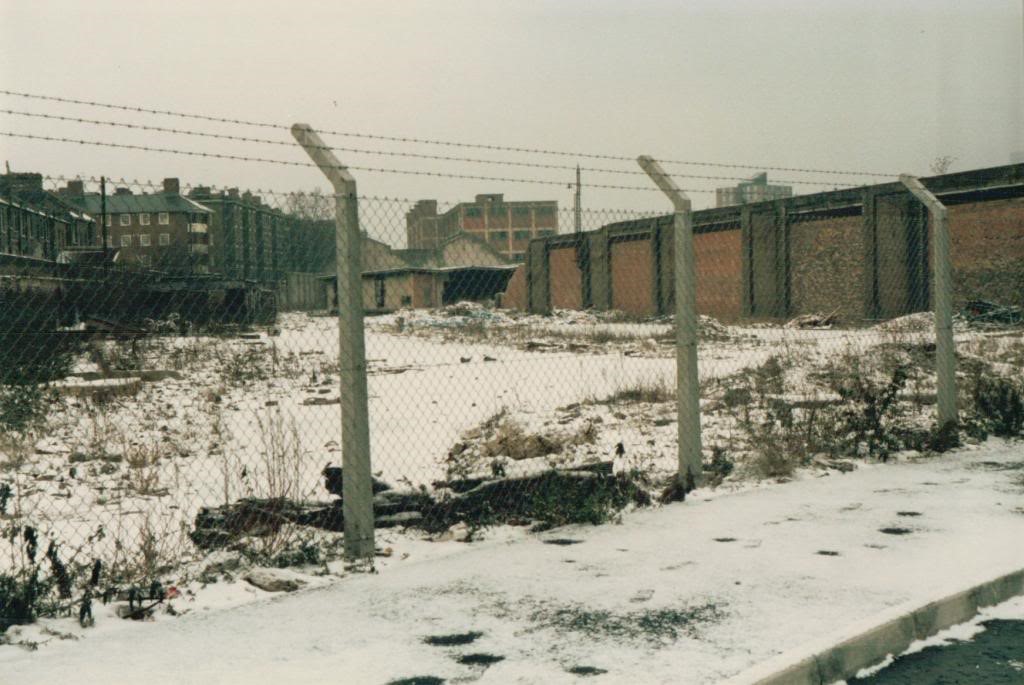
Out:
{"x": 893, "y": 632}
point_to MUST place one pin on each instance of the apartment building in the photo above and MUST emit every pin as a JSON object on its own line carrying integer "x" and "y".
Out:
{"x": 507, "y": 226}
{"x": 756, "y": 189}
{"x": 161, "y": 230}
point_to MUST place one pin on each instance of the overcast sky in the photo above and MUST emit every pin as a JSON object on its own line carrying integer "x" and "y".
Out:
{"x": 867, "y": 85}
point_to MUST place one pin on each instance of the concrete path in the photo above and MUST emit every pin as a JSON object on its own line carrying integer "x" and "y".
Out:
{"x": 696, "y": 592}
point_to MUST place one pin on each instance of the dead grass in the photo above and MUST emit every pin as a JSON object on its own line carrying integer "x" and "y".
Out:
{"x": 639, "y": 392}
{"x": 143, "y": 461}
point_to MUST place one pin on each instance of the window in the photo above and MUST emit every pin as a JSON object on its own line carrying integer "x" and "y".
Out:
{"x": 521, "y": 235}
{"x": 545, "y": 231}
{"x": 521, "y": 211}
{"x": 545, "y": 211}
{"x": 144, "y": 219}
{"x": 165, "y": 238}
{"x": 473, "y": 212}
{"x": 110, "y": 241}
{"x": 126, "y": 241}
{"x": 518, "y": 256}
{"x": 145, "y": 240}
{"x": 163, "y": 218}
{"x": 124, "y": 219}
{"x": 499, "y": 236}
{"x": 106, "y": 219}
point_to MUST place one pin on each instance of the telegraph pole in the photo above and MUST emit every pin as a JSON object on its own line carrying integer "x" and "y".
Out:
{"x": 103, "y": 218}
{"x": 577, "y": 208}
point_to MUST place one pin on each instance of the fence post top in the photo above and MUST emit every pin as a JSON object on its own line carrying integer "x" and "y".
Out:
{"x": 652, "y": 168}
{"x": 914, "y": 185}
{"x": 324, "y": 157}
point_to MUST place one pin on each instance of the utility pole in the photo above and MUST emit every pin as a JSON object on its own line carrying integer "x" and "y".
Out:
{"x": 103, "y": 218}
{"x": 577, "y": 208}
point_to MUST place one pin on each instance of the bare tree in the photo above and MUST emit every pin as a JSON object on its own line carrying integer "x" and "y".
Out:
{"x": 942, "y": 164}
{"x": 315, "y": 205}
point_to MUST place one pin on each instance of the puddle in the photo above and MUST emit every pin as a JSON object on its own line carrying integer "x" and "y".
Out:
{"x": 563, "y": 542}
{"x": 479, "y": 659}
{"x": 876, "y": 546}
{"x": 895, "y": 530}
{"x": 454, "y": 639}
{"x": 725, "y": 539}
{"x": 827, "y": 553}
{"x": 586, "y": 670}
{"x": 418, "y": 680}
{"x": 908, "y": 513}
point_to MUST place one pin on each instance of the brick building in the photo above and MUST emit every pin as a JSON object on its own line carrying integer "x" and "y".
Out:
{"x": 462, "y": 267}
{"x": 250, "y": 240}
{"x": 39, "y": 224}
{"x": 756, "y": 189}
{"x": 161, "y": 230}
{"x": 507, "y": 226}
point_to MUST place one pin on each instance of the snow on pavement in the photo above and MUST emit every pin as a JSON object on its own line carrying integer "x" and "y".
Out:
{"x": 692, "y": 592}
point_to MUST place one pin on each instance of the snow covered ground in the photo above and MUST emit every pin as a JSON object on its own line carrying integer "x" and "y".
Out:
{"x": 120, "y": 476}
{"x": 692, "y": 592}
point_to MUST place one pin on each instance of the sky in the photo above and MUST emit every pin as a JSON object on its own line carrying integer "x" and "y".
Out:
{"x": 867, "y": 86}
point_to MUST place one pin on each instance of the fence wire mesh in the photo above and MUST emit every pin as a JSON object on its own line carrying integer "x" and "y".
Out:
{"x": 172, "y": 379}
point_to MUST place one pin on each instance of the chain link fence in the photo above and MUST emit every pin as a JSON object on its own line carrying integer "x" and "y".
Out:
{"x": 173, "y": 384}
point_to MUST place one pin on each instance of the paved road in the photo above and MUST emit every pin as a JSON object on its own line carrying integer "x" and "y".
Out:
{"x": 993, "y": 657}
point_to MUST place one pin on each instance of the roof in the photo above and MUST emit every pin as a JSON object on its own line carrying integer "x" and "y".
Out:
{"x": 44, "y": 203}
{"x": 133, "y": 204}
{"x": 435, "y": 257}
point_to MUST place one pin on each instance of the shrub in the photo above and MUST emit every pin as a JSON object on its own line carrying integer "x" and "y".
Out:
{"x": 996, "y": 403}
{"x": 871, "y": 394}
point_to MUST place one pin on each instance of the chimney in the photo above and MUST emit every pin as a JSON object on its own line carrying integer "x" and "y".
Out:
{"x": 24, "y": 182}
{"x": 122, "y": 191}
{"x": 75, "y": 189}
{"x": 171, "y": 186}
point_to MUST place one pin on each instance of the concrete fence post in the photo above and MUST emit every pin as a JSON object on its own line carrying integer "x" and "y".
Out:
{"x": 357, "y": 493}
{"x": 687, "y": 387}
{"x": 945, "y": 352}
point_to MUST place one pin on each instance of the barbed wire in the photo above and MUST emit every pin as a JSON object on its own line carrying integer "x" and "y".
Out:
{"x": 285, "y": 195}
{"x": 284, "y": 162}
{"x": 385, "y": 153}
{"x": 429, "y": 141}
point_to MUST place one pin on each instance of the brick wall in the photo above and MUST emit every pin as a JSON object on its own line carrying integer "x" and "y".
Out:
{"x": 827, "y": 266}
{"x": 895, "y": 218}
{"x": 632, "y": 267}
{"x": 987, "y": 246}
{"x": 515, "y": 292}
{"x": 566, "y": 279}
{"x": 717, "y": 261}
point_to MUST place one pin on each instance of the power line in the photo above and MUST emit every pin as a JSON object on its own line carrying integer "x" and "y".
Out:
{"x": 428, "y": 141}
{"x": 386, "y": 153}
{"x": 284, "y": 162}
